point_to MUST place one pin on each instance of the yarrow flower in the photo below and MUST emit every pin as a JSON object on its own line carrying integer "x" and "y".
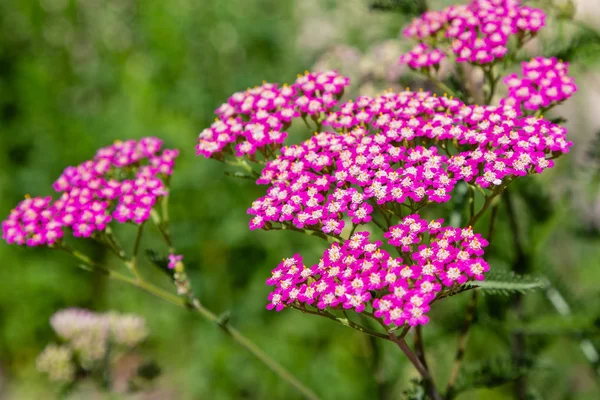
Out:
{"x": 422, "y": 56}
{"x": 122, "y": 182}
{"x": 373, "y": 160}
{"x": 478, "y": 32}
{"x": 359, "y": 274}
{"x": 544, "y": 83}
{"x": 255, "y": 120}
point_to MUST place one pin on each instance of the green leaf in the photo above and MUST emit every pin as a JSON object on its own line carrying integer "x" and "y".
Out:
{"x": 501, "y": 282}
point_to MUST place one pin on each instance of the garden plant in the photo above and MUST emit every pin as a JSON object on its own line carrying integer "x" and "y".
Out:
{"x": 402, "y": 189}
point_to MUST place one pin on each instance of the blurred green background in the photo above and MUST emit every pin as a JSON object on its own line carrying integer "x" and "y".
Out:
{"x": 76, "y": 75}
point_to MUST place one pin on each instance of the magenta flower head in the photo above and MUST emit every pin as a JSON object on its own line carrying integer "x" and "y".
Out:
{"x": 122, "y": 182}
{"x": 33, "y": 222}
{"x": 253, "y": 123}
{"x": 544, "y": 83}
{"x": 371, "y": 160}
{"x": 477, "y": 33}
{"x": 360, "y": 275}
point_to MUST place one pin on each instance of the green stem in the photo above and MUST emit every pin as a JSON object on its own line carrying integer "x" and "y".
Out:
{"x": 471, "y": 202}
{"x": 521, "y": 265}
{"x": 343, "y": 321}
{"x": 492, "y": 81}
{"x": 488, "y": 202}
{"x": 469, "y": 317}
{"x": 132, "y": 264}
{"x": 203, "y": 311}
{"x": 442, "y": 86}
{"x": 423, "y": 371}
{"x": 156, "y": 291}
{"x": 419, "y": 346}
{"x": 462, "y": 345}
{"x": 254, "y": 349}
{"x": 114, "y": 244}
{"x": 156, "y": 218}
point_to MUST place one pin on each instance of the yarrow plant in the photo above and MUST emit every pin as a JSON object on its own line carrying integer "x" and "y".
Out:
{"x": 374, "y": 177}
{"x": 377, "y": 167}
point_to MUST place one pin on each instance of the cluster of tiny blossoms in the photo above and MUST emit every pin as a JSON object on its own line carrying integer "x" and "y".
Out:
{"x": 89, "y": 334}
{"x": 122, "y": 182}
{"x": 122, "y": 329}
{"x": 87, "y": 337}
{"x": 360, "y": 275}
{"x": 394, "y": 153}
{"x": 544, "y": 83}
{"x": 422, "y": 56}
{"x": 256, "y": 119}
{"x": 477, "y": 33}
{"x": 57, "y": 362}
{"x": 399, "y": 149}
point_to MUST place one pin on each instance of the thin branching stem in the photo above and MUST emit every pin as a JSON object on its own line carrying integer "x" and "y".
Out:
{"x": 132, "y": 264}
{"x": 236, "y": 335}
{"x": 468, "y": 322}
{"x": 420, "y": 346}
{"x": 462, "y": 344}
{"x": 430, "y": 387}
{"x": 343, "y": 321}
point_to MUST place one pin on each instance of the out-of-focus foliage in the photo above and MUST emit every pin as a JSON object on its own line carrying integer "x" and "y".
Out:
{"x": 78, "y": 74}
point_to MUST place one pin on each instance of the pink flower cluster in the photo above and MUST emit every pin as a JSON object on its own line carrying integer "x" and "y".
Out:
{"x": 255, "y": 120}
{"x": 544, "y": 84}
{"x": 400, "y": 149}
{"x": 422, "y": 56}
{"x": 477, "y": 32}
{"x": 122, "y": 182}
{"x": 359, "y": 275}
{"x": 32, "y": 222}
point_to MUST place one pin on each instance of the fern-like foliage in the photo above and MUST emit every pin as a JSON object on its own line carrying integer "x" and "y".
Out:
{"x": 502, "y": 282}
{"x": 489, "y": 373}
